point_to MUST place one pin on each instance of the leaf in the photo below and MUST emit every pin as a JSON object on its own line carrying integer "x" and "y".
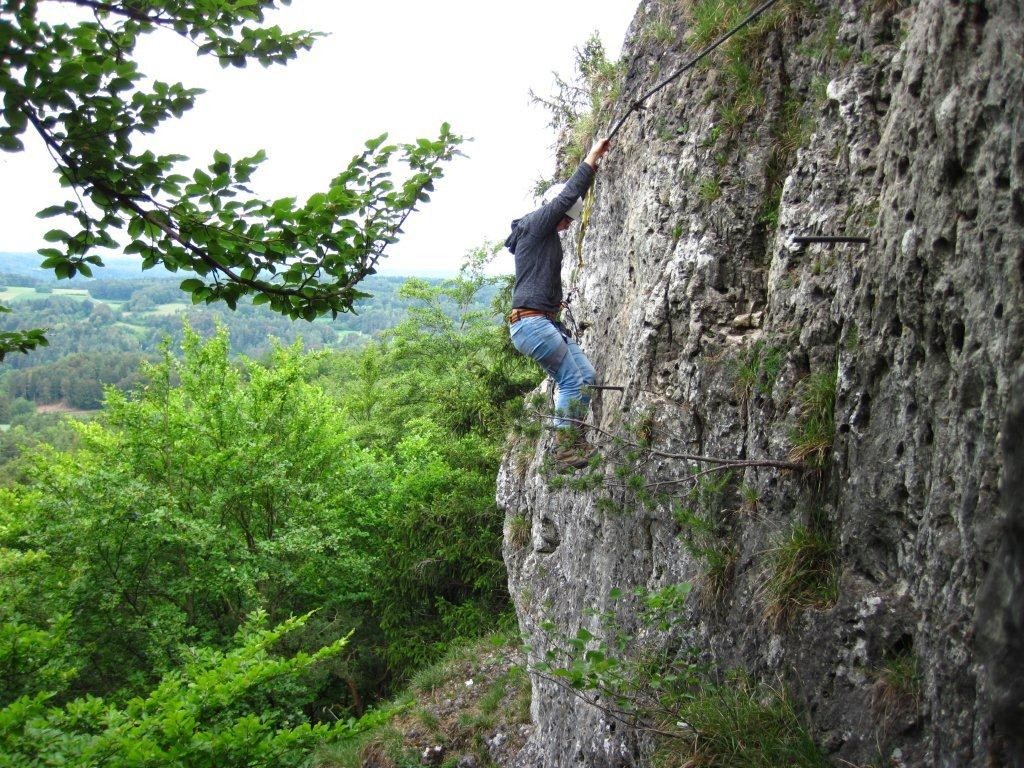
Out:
{"x": 10, "y": 143}
{"x": 51, "y": 211}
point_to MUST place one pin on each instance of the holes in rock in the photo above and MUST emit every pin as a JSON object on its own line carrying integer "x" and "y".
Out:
{"x": 844, "y": 428}
{"x": 902, "y": 166}
{"x": 952, "y": 171}
{"x": 902, "y": 494}
{"x": 862, "y": 415}
{"x": 942, "y": 246}
{"x": 895, "y": 328}
{"x": 911, "y": 410}
{"x": 899, "y": 450}
{"x": 998, "y": 312}
{"x": 1017, "y": 209}
{"x": 956, "y": 335}
{"x": 904, "y": 645}
{"x": 980, "y": 13}
{"x": 937, "y": 338}
{"x": 916, "y": 356}
{"x": 908, "y": 216}
{"x": 929, "y": 435}
{"x": 972, "y": 390}
{"x": 879, "y": 368}
{"x": 868, "y": 301}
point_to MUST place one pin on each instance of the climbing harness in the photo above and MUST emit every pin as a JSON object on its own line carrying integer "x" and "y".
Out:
{"x": 754, "y": 15}
{"x": 570, "y": 320}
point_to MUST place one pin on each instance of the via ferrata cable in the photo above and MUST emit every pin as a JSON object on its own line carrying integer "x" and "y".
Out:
{"x": 753, "y": 16}
{"x": 706, "y": 51}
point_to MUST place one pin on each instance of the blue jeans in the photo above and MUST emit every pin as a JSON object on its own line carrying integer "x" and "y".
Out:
{"x": 538, "y": 338}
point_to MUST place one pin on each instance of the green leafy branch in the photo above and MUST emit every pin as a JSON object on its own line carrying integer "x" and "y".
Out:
{"x": 78, "y": 89}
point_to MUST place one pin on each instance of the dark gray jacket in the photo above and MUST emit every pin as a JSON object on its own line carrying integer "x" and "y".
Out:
{"x": 538, "y": 249}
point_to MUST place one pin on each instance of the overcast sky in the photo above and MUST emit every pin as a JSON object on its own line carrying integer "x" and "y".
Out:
{"x": 402, "y": 66}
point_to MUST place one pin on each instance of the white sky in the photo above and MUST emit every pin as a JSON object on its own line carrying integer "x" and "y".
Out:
{"x": 402, "y": 66}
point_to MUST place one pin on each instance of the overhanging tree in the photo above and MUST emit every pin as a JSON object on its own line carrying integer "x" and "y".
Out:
{"x": 77, "y": 87}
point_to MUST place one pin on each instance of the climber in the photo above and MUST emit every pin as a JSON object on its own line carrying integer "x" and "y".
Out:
{"x": 533, "y": 324}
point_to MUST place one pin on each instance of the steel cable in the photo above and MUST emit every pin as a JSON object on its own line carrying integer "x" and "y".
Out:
{"x": 753, "y": 16}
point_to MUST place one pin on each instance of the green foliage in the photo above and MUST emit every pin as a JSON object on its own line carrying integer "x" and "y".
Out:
{"x": 97, "y": 330}
{"x": 438, "y": 396}
{"x": 664, "y": 690}
{"x": 582, "y": 104}
{"x": 214, "y": 492}
{"x": 710, "y": 189}
{"x": 658, "y": 29}
{"x": 78, "y": 87}
{"x": 815, "y": 430}
{"x": 851, "y": 339}
{"x": 223, "y": 488}
{"x": 491, "y": 694}
{"x": 756, "y": 369}
{"x": 794, "y": 127}
{"x": 739, "y": 724}
{"x": 824, "y": 46}
{"x": 20, "y": 341}
{"x": 212, "y": 713}
{"x": 803, "y": 570}
{"x": 739, "y": 59}
{"x": 898, "y": 681}
{"x": 705, "y": 524}
{"x": 519, "y": 531}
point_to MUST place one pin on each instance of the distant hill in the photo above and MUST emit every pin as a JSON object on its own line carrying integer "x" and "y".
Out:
{"x": 116, "y": 268}
{"x": 121, "y": 267}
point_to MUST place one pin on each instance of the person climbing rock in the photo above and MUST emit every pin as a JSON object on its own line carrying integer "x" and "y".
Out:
{"x": 533, "y": 324}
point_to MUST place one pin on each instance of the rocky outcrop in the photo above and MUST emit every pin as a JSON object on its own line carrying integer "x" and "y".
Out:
{"x": 900, "y": 122}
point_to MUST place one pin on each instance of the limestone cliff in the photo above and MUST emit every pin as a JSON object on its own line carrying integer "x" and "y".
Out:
{"x": 901, "y": 122}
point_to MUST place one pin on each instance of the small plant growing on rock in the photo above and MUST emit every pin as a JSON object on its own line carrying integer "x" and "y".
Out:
{"x": 803, "y": 571}
{"x": 519, "y": 531}
{"x": 705, "y": 525}
{"x": 663, "y": 690}
{"x": 750, "y": 496}
{"x": 659, "y": 30}
{"x": 897, "y": 685}
{"x": 582, "y": 103}
{"x": 756, "y": 368}
{"x": 815, "y": 430}
{"x": 710, "y": 190}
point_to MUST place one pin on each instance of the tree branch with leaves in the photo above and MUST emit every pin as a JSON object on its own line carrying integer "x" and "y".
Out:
{"x": 78, "y": 88}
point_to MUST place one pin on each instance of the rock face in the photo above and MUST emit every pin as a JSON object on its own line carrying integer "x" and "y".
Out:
{"x": 902, "y": 122}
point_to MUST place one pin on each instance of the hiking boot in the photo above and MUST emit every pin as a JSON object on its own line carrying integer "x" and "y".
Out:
{"x": 572, "y": 450}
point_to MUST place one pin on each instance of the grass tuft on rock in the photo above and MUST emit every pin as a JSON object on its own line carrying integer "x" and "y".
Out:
{"x": 739, "y": 724}
{"x": 815, "y": 430}
{"x": 803, "y": 571}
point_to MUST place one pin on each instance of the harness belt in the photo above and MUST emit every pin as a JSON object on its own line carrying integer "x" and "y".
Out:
{"x": 553, "y": 360}
{"x": 519, "y": 313}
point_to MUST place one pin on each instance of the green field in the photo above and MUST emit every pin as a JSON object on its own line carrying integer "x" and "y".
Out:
{"x": 14, "y": 294}
{"x": 166, "y": 309}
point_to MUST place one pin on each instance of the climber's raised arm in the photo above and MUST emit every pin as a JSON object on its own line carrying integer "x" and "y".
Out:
{"x": 567, "y": 202}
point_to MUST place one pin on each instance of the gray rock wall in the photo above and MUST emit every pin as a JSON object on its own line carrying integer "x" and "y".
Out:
{"x": 905, "y": 125}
